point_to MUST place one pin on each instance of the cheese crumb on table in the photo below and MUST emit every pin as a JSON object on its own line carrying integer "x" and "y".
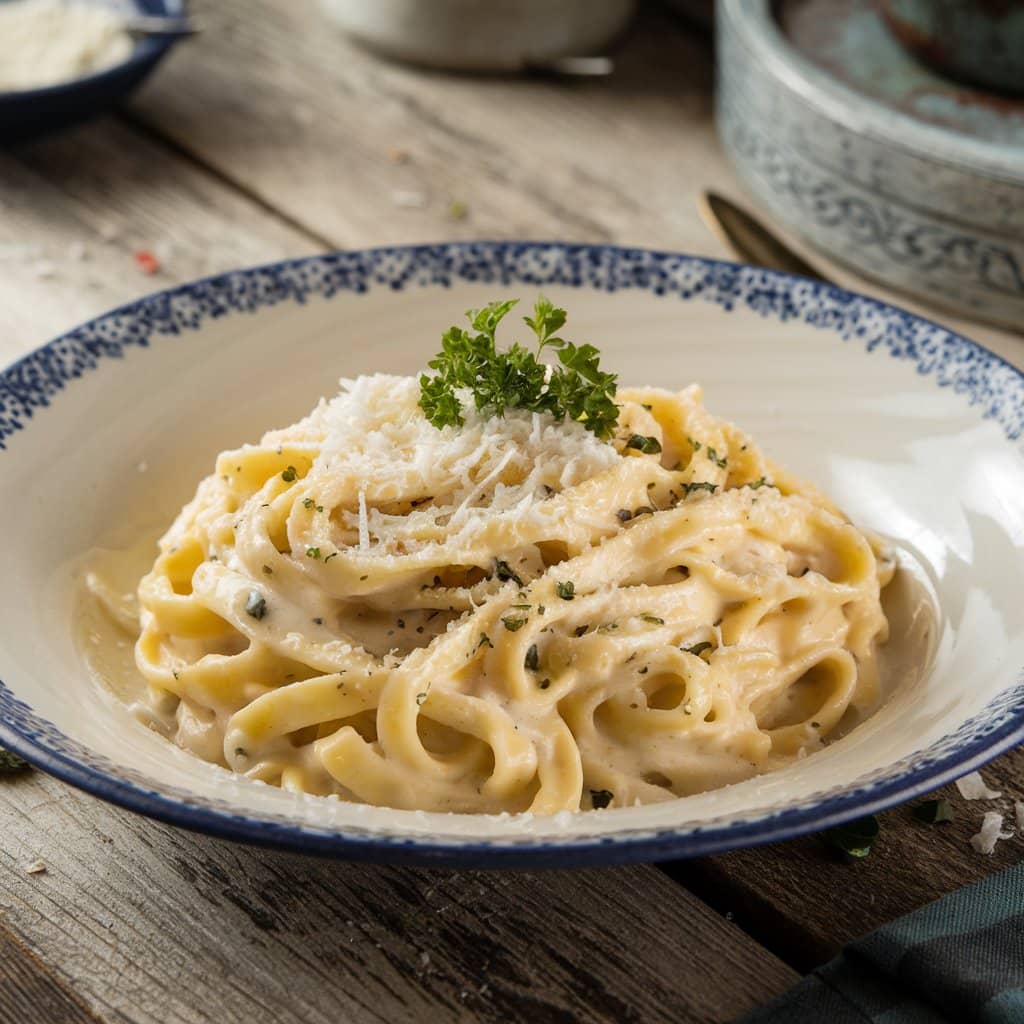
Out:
{"x": 972, "y": 787}
{"x": 991, "y": 832}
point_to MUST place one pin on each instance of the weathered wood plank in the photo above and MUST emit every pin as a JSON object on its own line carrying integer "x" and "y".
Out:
{"x": 74, "y": 210}
{"x": 363, "y": 152}
{"x": 804, "y": 903}
{"x": 277, "y": 100}
{"x": 153, "y": 925}
{"x": 30, "y": 991}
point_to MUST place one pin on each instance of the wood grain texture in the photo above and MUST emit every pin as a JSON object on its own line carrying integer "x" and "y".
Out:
{"x": 359, "y": 152}
{"x": 30, "y": 991}
{"x": 152, "y": 925}
{"x": 803, "y": 902}
{"x": 274, "y": 98}
{"x": 74, "y": 210}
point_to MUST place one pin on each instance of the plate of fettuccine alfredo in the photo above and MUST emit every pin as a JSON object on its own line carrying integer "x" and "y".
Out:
{"x": 506, "y": 554}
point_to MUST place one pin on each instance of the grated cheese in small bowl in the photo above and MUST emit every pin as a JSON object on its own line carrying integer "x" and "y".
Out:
{"x": 47, "y": 42}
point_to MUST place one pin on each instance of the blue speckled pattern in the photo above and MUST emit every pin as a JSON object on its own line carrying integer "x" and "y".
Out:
{"x": 32, "y": 385}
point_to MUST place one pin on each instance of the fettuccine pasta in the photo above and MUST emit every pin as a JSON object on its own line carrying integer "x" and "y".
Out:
{"x": 508, "y": 615}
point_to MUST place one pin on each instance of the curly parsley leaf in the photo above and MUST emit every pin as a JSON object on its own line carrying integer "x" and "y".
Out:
{"x": 577, "y": 389}
{"x": 439, "y": 403}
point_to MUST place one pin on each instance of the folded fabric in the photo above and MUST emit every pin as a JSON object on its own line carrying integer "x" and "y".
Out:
{"x": 959, "y": 960}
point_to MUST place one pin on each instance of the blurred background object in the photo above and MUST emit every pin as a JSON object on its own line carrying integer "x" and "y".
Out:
{"x": 977, "y": 41}
{"x": 910, "y": 178}
{"x": 497, "y": 36}
{"x": 62, "y": 62}
{"x": 702, "y": 11}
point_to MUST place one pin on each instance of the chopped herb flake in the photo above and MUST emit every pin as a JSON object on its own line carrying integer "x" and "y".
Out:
{"x": 713, "y": 456}
{"x": 762, "y": 482}
{"x": 11, "y": 763}
{"x": 624, "y": 515}
{"x": 700, "y": 485}
{"x": 308, "y": 502}
{"x": 934, "y": 812}
{"x": 699, "y": 649}
{"x": 313, "y": 553}
{"x": 484, "y": 639}
{"x": 289, "y": 475}
{"x": 421, "y": 699}
{"x": 513, "y": 624}
{"x": 854, "y": 839}
{"x": 532, "y": 659}
{"x": 653, "y": 619}
{"x": 566, "y": 590}
{"x": 256, "y": 604}
{"x": 642, "y": 443}
{"x": 267, "y": 571}
{"x": 505, "y": 572}
{"x": 695, "y": 445}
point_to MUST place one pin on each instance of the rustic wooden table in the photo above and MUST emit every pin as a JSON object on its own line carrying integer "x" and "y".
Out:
{"x": 268, "y": 137}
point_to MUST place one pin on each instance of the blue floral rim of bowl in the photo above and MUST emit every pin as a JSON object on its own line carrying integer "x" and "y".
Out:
{"x": 31, "y": 385}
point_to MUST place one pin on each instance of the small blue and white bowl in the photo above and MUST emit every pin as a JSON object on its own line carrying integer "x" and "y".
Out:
{"x": 29, "y": 113}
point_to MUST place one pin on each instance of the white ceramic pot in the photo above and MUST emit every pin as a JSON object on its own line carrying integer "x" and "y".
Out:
{"x": 483, "y": 35}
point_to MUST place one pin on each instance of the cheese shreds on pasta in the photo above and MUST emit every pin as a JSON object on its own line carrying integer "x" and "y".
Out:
{"x": 509, "y": 615}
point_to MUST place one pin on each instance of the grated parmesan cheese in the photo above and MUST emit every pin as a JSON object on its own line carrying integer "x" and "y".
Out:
{"x": 972, "y": 787}
{"x": 46, "y": 42}
{"x": 991, "y": 832}
{"x": 376, "y": 436}
{"x": 364, "y": 526}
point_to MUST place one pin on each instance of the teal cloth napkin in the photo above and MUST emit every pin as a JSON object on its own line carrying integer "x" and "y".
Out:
{"x": 959, "y": 960}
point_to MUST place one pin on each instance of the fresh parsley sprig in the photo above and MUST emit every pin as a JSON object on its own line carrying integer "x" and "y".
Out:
{"x": 578, "y": 389}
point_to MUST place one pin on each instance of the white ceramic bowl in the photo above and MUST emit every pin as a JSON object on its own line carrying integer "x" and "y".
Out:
{"x": 914, "y": 430}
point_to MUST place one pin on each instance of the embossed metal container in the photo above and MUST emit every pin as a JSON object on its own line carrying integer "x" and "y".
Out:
{"x": 871, "y": 157}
